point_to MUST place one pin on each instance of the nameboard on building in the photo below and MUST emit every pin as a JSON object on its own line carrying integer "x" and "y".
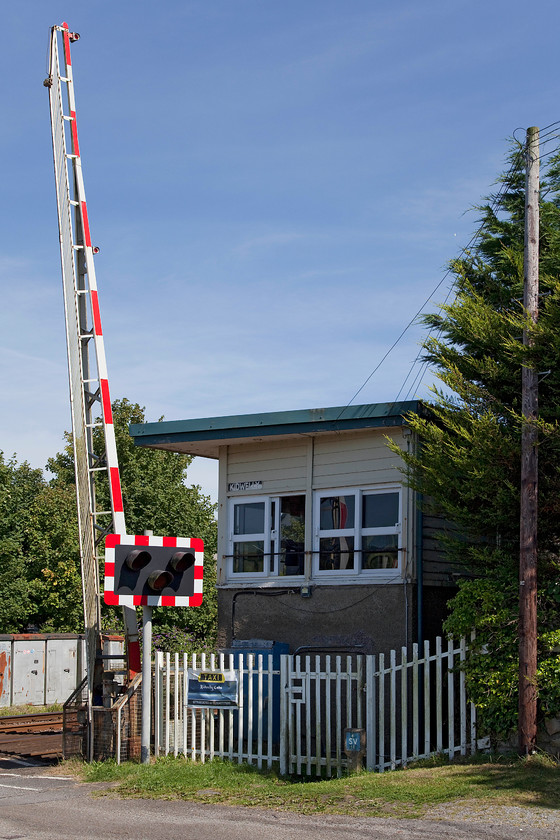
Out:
{"x": 244, "y": 485}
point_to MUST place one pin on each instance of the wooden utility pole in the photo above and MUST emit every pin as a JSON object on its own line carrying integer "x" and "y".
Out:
{"x": 527, "y": 727}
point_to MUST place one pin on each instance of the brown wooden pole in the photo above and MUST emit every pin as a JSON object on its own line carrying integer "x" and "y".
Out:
{"x": 527, "y": 725}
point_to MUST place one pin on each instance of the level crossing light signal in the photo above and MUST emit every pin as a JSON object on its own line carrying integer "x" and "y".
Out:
{"x": 153, "y": 571}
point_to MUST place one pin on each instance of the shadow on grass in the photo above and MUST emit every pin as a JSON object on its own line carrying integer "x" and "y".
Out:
{"x": 536, "y": 780}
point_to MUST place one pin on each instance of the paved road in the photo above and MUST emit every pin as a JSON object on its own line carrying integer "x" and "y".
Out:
{"x": 37, "y": 804}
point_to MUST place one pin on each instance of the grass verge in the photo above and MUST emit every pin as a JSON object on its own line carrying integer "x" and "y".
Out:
{"x": 401, "y": 793}
{"x": 28, "y": 709}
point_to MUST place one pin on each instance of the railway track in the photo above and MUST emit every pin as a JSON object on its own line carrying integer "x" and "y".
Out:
{"x": 33, "y": 735}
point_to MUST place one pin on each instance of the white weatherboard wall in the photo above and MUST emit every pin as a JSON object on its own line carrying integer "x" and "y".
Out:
{"x": 306, "y": 463}
{"x": 338, "y": 460}
{"x": 355, "y": 459}
{"x": 280, "y": 465}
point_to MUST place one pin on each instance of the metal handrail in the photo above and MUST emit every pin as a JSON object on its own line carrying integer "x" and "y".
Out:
{"x": 119, "y": 705}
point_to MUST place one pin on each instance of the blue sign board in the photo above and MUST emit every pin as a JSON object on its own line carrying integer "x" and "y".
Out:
{"x": 214, "y": 689}
{"x": 353, "y": 741}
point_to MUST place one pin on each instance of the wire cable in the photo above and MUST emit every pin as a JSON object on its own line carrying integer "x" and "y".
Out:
{"x": 494, "y": 205}
{"x": 505, "y": 184}
{"x": 552, "y": 136}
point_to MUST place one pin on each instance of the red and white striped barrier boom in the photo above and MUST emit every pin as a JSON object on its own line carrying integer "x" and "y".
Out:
{"x": 89, "y": 384}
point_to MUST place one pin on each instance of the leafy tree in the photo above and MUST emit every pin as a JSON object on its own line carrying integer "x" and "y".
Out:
{"x": 19, "y": 486}
{"x": 39, "y": 557}
{"x": 53, "y": 561}
{"x": 157, "y": 498}
{"x": 469, "y": 461}
{"x": 39, "y": 548}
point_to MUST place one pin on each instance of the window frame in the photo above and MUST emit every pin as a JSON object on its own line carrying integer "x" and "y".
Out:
{"x": 252, "y": 537}
{"x": 357, "y": 532}
{"x": 271, "y": 534}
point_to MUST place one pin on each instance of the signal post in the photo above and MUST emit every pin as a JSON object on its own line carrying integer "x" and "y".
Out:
{"x": 148, "y": 571}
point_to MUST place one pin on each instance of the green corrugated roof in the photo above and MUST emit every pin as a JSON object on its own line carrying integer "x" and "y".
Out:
{"x": 203, "y": 436}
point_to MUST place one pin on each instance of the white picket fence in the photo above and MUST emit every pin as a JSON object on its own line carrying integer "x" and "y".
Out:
{"x": 320, "y": 698}
{"x": 242, "y": 734}
{"x": 418, "y": 707}
{"x": 295, "y": 712}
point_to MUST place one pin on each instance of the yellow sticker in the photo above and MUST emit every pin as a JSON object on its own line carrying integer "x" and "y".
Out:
{"x": 212, "y": 677}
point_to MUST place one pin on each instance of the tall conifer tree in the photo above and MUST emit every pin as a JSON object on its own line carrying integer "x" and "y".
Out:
{"x": 469, "y": 462}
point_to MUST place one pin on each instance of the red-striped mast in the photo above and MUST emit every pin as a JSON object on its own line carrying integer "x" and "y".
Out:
{"x": 89, "y": 384}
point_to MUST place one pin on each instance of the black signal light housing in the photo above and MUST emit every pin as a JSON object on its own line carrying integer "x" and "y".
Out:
{"x": 159, "y": 571}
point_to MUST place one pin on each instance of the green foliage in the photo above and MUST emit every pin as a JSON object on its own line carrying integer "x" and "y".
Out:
{"x": 39, "y": 557}
{"x": 39, "y": 548}
{"x": 19, "y": 485}
{"x": 157, "y": 498}
{"x": 174, "y": 639}
{"x": 54, "y": 561}
{"x": 468, "y": 464}
{"x": 488, "y": 605}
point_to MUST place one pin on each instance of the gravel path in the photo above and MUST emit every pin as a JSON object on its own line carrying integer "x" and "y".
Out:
{"x": 524, "y": 818}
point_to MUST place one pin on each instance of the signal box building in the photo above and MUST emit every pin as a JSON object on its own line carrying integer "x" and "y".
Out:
{"x": 321, "y": 545}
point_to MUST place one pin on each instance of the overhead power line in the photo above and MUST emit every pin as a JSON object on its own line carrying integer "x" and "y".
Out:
{"x": 504, "y": 186}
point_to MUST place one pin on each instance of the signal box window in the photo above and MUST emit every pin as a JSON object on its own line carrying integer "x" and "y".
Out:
{"x": 248, "y": 541}
{"x": 336, "y": 543}
{"x": 267, "y": 536}
{"x": 358, "y": 531}
{"x": 380, "y": 517}
{"x": 289, "y": 543}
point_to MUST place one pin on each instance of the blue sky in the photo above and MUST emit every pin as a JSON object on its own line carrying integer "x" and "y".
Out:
{"x": 276, "y": 188}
